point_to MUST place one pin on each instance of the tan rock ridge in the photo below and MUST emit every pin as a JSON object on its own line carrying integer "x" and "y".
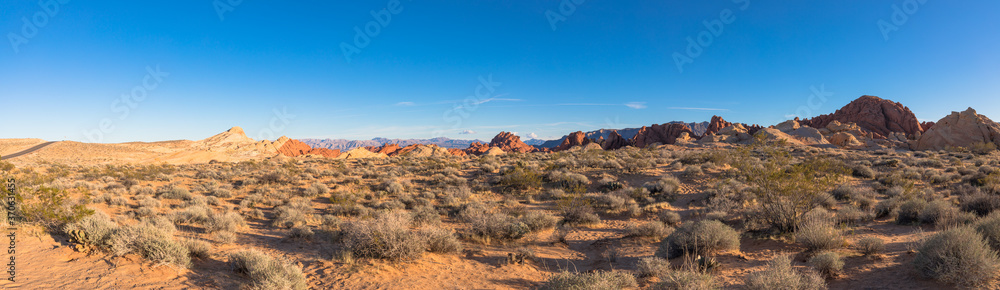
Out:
{"x": 959, "y": 130}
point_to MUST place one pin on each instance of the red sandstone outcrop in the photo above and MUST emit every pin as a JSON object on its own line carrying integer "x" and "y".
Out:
{"x": 716, "y": 125}
{"x": 477, "y": 148}
{"x": 615, "y": 141}
{"x": 927, "y": 125}
{"x": 510, "y": 143}
{"x": 662, "y": 134}
{"x": 294, "y": 148}
{"x": 387, "y": 149}
{"x": 959, "y": 130}
{"x": 577, "y": 138}
{"x": 456, "y": 152}
{"x": 880, "y": 116}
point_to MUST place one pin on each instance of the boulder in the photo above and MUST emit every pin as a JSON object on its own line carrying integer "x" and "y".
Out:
{"x": 733, "y": 130}
{"x": 425, "y": 151}
{"x": 809, "y": 136}
{"x": 509, "y": 142}
{"x": 493, "y": 151}
{"x": 959, "y": 130}
{"x": 788, "y": 126}
{"x": 775, "y": 135}
{"x": 844, "y": 139}
{"x": 477, "y": 148}
{"x": 873, "y": 114}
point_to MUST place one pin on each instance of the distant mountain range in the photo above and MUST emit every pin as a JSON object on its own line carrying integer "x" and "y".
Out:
{"x": 345, "y": 145}
{"x": 627, "y": 133}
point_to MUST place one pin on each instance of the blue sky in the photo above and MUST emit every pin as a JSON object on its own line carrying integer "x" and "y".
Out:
{"x": 280, "y": 69}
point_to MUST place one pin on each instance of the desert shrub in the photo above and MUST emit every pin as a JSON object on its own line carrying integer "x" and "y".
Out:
{"x": 175, "y": 192}
{"x": 301, "y": 232}
{"x": 887, "y": 207}
{"x": 853, "y": 215}
{"x": 92, "y": 230}
{"x": 317, "y": 189}
{"x": 147, "y": 201}
{"x": 441, "y": 240}
{"x": 197, "y": 214}
{"x": 940, "y": 212}
{"x": 653, "y": 229}
{"x": 580, "y": 215}
{"x": 198, "y": 248}
{"x": 497, "y": 226}
{"x": 980, "y": 203}
{"x": 652, "y": 267}
{"x": 664, "y": 189}
{"x": 703, "y": 238}
{"x": 425, "y": 215}
{"x": 538, "y": 220}
{"x": 828, "y": 263}
{"x": 869, "y": 246}
{"x": 850, "y": 193}
{"x": 590, "y": 280}
{"x": 817, "y": 232}
{"x": 989, "y": 227}
{"x": 149, "y": 242}
{"x": 295, "y": 213}
{"x": 385, "y": 237}
{"x": 779, "y": 274}
{"x": 161, "y": 222}
{"x": 519, "y": 179}
{"x": 228, "y": 222}
{"x": 687, "y": 280}
{"x": 670, "y": 218}
{"x": 958, "y": 255}
{"x": 265, "y": 272}
{"x": 607, "y": 202}
{"x": 693, "y": 171}
{"x": 862, "y": 171}
{"x": 48, "y": 206}
{"x": 909, "y": 211}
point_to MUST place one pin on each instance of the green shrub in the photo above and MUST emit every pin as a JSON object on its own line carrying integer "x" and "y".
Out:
{"x": 386, "y": 237}
{"x": 591, "y": 280}
{"x": 958, "y": 255}
{"x": 266, "y": 272}
{"x": 519, "y": 179}
{"x": 828, "y": 263}
{"x": 870, "y": 246}
{"x": 779, "y": 274}
{"x": 703, "y": 238}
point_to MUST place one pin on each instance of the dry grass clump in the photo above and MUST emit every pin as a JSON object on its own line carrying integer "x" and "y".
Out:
{"x": 828, "y": 263}
{"x": 669, "y": 218}
{"x": 196, "y": 214}
{"x": 175, "y": 192}
{"x": 686, "y": 279}
{"x": 538, "y": 220}
{"x": 578, "y": 215}
{"x": 266, "y": 272}
{"x": 385, "y": 237}
{"x": 703, "y": 238}
{"x": 149, "y": 242}
{"x": 958, "y": 255}
{"x": 653, "y": 229}
{"x": 780, "y": 275}
{"x": 497, "y": 226}
{"x": 652, "y": 267}
{"x": 198, "y": 248}
{"x": 441, "y": 240}
{"x": 870, "y": 246}
{"x": 989, "y": 227}
{"x": 225, "y": 222}
{"x": 664, "y": 189}
{"x": 817, "y": 232}
{"x": 295, "y": 213}
{"x": 591, "y": 280}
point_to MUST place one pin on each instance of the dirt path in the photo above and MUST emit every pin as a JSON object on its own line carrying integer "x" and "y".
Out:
{"x": 29, "y": 150}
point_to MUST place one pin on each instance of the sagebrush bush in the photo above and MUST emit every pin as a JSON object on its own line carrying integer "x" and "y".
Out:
{"x": 590, "y": 280}
{"x": 670, "y": 218}
{"x": 687, "y": 280}
{"x": 198, "y": 248}
{"x": 228, "y": 222}
{"x": 779, "y": 274}
{"x": 958, "y": 255}
{"x": 441, "y": 240}
{"x": 295, "y": 213}
{"x": 580, "y": 215}
{"x": 196, "y": 214}
{"x": 497, "y": 226}
{"x": 940, "y": 212}
{"x": 175, "y": 192}
{"x": 317, "y": 189}
{"x": 828, "y": 263}
{"x": 980, "y": 203}
{"x": 266, "y": 272}
{"x": 989, "y": 227}
{"x": 664, "y": 189}
{"x": 819, "y": 233}
{"x": 703, "y": 238}
{"x": 92, "y": 230}
{"x": 869, "y": 246}
{"x": 149, "y": 242}
{"x": 909, "y": 211}
{"x": 538, "y": 220}
{"x": 652, "y": 267}
{"x": 385, "y": 237}
{"x": 653, "y": 229}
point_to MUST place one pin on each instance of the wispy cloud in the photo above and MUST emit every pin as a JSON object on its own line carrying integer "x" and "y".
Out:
{"x": 467, "y": 132}
{"x": 636, "y": 105}
{"x": 532, "y": 135}
{"x": 405, "y": 104}
{"x": 697, "y": 109}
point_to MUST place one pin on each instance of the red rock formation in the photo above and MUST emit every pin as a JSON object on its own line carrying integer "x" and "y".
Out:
{"x": 510, "y": 143}
{"x": 927, "y": 125}
{"x": 615, "y": 141}
{"x": 293, "y": 148}
{"x": 881, "y": 117}
{"x": 456, "y": 152}
{"x": 716, "y": 124}
{"x": 543, "y": 149}
{"x": 577, "y": 138}
{"x": 477, "y": 148}
{"x": 403, "y": 150}
{"x": 663, "y": 134}
{"x": 387, "y": 149}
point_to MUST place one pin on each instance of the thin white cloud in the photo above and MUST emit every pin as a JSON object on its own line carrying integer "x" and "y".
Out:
{"x": 467, "y": 132}
{"x": 697, "y": 109}
{"x": 532, "y": 135}
{"x": 636, "y": 105}
{"x": 405, "y": 104}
